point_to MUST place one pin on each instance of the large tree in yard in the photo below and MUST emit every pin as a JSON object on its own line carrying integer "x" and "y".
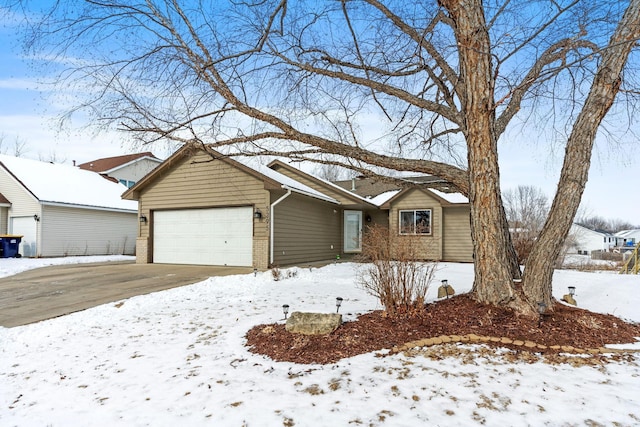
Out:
{"x": 439, "y": 81}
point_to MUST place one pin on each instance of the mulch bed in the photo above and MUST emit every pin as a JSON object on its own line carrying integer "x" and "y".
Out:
{"x": 459, "y": 315}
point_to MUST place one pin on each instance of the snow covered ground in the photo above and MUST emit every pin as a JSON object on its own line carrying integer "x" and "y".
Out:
{"x": 177, "y": 358}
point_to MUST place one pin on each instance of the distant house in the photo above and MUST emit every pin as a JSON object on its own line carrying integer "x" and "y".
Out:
{"x": 127, "y": 169}
{"x": 584, "y": 240}
{"x": 206, "y": 208}
{"x": 627, "y": 238}
{"x": 62, "y": 210}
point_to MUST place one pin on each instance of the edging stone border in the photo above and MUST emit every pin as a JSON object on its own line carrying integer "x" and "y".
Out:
{"x": 527, "y": 345}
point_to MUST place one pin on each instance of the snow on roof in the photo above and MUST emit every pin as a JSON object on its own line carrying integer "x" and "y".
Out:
{"x": 331, "y": 184}
{"x": 287, "y": 183}
{"x": 56, "y": 183}
{"x": 450, "y": 197}
{"x": 627, "y": 233}
{"x": 383, "y": 198}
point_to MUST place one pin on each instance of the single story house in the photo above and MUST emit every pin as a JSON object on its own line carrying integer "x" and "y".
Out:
{"x": 127, "y": 169}
{"x": 583, "y": 240}
{"x": 61, "y": 210}
{"x": 202, "y": 207}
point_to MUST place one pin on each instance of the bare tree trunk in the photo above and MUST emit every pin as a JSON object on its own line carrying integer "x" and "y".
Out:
{"x": 495, "y": 261}
{"x": 537, "y": 279}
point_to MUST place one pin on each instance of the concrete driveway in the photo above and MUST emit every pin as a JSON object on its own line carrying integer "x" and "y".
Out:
{"x": 49, "y": 292}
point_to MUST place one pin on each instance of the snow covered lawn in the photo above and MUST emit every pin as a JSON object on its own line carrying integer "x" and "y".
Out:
{"x": 177, "y": 358}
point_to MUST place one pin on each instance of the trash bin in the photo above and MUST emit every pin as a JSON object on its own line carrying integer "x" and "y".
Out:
{"x": 9, "y": 245}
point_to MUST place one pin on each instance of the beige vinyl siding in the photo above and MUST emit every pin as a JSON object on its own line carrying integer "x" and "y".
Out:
{"x": 73, "y": 231}
{"x": 23, "y": 203}
{"x": 200, "y": 182}
{"x": 305, "y": 231}
{"x": 457, "y": 246}
{"x": 378, "y": 217}
{"x": 4, "y": 219}
{"x": 429, "y": 246}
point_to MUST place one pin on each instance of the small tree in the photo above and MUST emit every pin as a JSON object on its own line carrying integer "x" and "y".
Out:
{"x": 392, "y": 274}
{"x": 527, "y": 209}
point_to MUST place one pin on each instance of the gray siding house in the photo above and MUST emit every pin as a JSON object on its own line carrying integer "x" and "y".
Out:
{"x": 127, "y": 169}
{"x": 61, "y": 210}
{"x": 201, "y": 207}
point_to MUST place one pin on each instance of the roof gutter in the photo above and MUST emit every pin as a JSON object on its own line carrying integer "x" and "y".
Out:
{"x": 95, "y": 208}
{"x": 272, "y": 223}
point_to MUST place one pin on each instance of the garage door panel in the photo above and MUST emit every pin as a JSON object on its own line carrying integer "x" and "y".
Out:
{"x": 220, "y": 236}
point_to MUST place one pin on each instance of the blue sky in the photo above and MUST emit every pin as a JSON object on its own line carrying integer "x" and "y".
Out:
{"x": 29, "y": 113}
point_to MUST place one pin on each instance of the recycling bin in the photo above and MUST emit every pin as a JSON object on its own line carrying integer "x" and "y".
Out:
{"x": 9, "y": 246}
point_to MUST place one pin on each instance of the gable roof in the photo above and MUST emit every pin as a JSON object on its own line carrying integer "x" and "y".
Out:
{"x": 587, "y": 229}
{"x": 381, "y": 193}
{"x": 321, "y": 182}
{"x": 108, "y": 164}
{"x": 4, "y": 201}
{"x": 272, "y": 179}
{"x": 63, "y": 184}
{"x": 446, "y": 199}
{"x": 628, "y": 233}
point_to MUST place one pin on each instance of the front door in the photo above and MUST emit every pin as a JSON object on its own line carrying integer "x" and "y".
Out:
{"x": 352, "y": 231}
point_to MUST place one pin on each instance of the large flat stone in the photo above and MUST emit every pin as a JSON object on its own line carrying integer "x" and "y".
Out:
{"x": 313, "y": 323}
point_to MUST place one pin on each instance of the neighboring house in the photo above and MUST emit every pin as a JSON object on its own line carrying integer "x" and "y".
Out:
{"x": 627, "y": 238}
{"x": 127, "y": 169}
{"x": 199, "y": 209}
{"x": 583, "y": 240}
{"x": 5, "y": 204}
{"x": 61, "y": 210}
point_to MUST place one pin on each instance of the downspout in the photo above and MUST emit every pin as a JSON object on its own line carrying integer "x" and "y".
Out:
{"x": 272, "y": 222}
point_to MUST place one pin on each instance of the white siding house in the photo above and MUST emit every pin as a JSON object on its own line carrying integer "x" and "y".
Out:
{"x": 61, "y": 210}
{"x": 627, "y": 238}
{"x": 584, "y": 240}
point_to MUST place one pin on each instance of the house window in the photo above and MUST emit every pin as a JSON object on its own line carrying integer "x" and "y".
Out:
{"x": 415, "y": 222}
{"x": 127, "y": 183}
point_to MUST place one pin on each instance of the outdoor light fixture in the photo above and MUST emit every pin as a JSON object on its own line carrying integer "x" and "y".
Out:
{"x": 36, "y": 218}
{"x": 285, "y": 310}
{"x": 572, "y": 290}
{"x": 338, "y": 303}
{"x": 143, "y": 219}
{"x": 542, "y": 307}
{"x": 445, "y": 285}
{"x": 255, "y": 272}
{"x": 257, "y": 214}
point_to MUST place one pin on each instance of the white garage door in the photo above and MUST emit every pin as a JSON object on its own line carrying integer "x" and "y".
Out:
{"x": 220, "y": 236}
{"x": 25, "y": 226}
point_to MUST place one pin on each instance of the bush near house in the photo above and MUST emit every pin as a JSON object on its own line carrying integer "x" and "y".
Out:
{"x": 393, "y": 274}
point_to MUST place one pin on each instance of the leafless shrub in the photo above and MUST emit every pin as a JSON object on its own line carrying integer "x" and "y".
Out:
{"x": 276, "y": 273}
{"x": 523, "y": 245}
{"x": 393, "y": 272}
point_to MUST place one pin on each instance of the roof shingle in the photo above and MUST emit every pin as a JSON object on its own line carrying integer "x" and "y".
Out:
{"x": 108, "y": 163}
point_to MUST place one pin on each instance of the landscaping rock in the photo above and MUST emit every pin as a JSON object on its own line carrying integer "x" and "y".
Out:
{"x": 313, "y": 323}
{"x": 569, "y": 299}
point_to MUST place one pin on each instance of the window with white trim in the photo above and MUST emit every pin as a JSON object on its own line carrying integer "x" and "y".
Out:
{"x": 415, "y": 221}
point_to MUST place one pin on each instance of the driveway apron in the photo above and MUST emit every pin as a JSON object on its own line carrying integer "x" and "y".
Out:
{"x": 49, "y": 292}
